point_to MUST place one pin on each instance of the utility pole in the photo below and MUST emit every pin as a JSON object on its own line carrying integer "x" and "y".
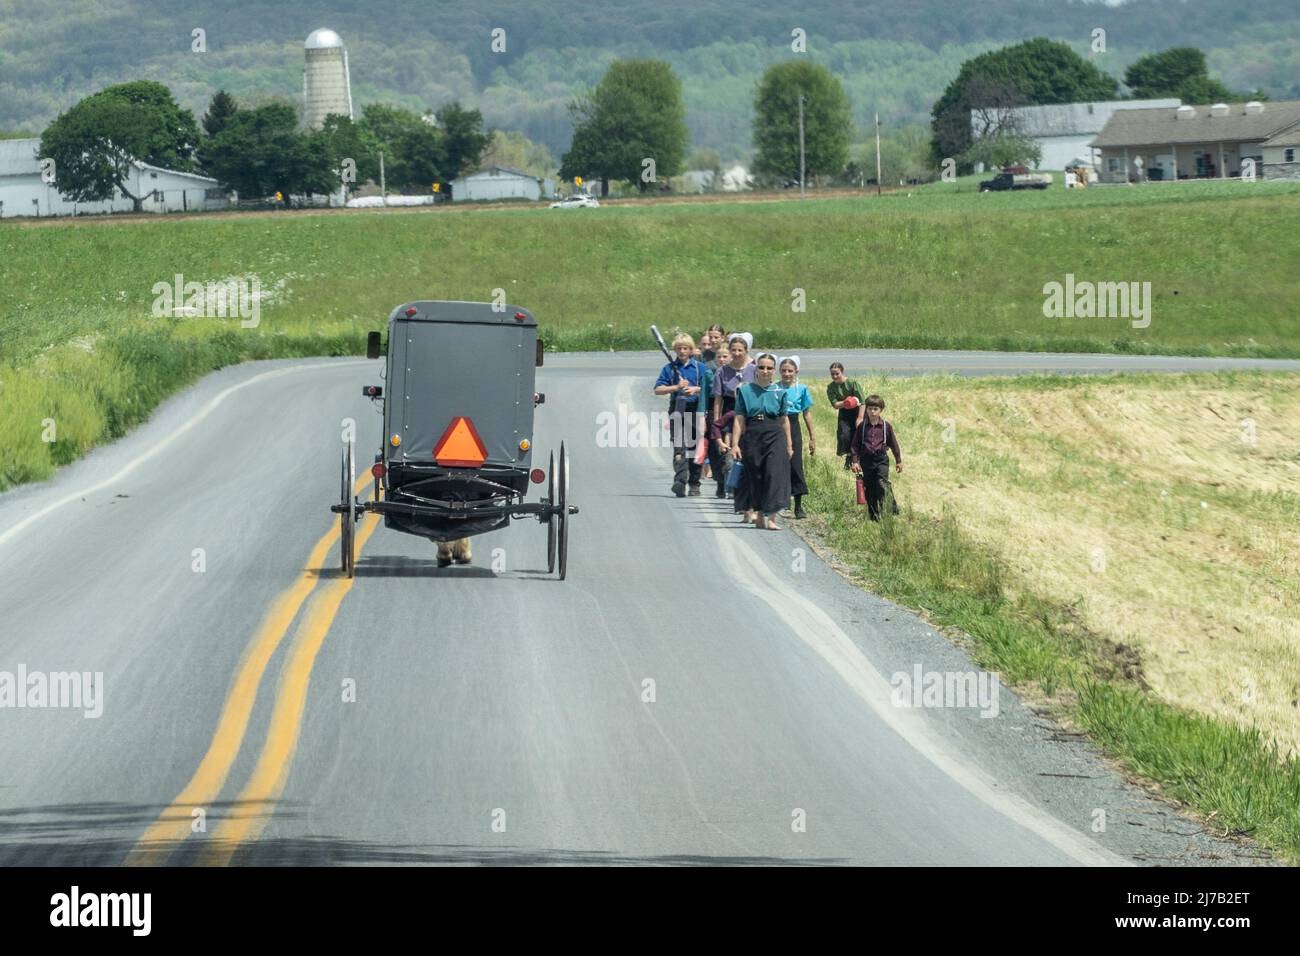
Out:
{"x": 877, "y": 154}
{"x": 802, "y": 172}
{"x": 383, "y": 187}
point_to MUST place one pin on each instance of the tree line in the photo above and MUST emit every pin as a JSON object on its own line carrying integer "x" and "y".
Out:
{"x": 630, "y": 128}
{"x": 257, "y": 152}
{"x": 896, "y": 57}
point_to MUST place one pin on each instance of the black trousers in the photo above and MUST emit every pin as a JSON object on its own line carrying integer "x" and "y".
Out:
{"x": 686, "y": 432}
{"x": 844, "y": 427}
{"x": 875, "y": 479}
{"x": 717, "y": 459}
{"x": 718, "y": 464}
{"x": 798, "y": 486}
{"x": 765, "y": 477}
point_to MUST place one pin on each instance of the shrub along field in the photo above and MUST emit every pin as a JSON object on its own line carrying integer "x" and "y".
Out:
{"x": 1125, "y": 550}
{"x": 941, "y": 266}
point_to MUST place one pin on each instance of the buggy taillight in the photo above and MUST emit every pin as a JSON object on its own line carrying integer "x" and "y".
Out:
{"x": 378, "y": 469}
{"x": 537, "y": 476}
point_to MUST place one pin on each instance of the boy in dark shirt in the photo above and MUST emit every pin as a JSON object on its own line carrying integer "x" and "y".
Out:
{"x": 869, "y": 451}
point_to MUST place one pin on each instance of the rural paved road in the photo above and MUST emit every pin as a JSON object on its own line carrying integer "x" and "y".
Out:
{"x": 498, "y": 716}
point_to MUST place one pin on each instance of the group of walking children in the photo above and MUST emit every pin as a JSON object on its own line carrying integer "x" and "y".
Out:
{"x": 737, "y": 420}
{"x": 864, "y": 439}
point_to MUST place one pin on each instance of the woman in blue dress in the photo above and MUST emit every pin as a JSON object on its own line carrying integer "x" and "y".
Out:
{"x": 798, "y": 403}
{"x": 760, "y": 440}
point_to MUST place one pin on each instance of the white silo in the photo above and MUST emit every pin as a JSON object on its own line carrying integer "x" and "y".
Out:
{"x": 326, "y": 86}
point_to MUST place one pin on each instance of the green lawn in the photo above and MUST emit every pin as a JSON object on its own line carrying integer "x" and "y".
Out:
{"x": 943, "y": 267}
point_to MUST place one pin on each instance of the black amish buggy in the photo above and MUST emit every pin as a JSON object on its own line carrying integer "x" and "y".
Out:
{"x": 455, "y": 458}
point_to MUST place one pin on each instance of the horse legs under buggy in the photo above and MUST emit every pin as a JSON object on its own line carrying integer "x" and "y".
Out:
{"x": 455, "y": 459}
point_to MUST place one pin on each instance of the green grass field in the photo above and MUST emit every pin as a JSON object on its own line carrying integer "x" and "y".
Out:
{"x": 1138, "y": 577}
{"x": 941, "y": 267}
{"x": 945, "y": 267}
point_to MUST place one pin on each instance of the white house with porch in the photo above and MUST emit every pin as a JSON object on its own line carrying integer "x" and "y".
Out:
{"x": 1201, "y": 142}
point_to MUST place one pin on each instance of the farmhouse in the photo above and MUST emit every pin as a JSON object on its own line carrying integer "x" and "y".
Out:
{"x": 24, "y": 192}
{"x": 1201, "y": 142}
{"x": 500, "y": 182}
{"x": 1063, "y": 131}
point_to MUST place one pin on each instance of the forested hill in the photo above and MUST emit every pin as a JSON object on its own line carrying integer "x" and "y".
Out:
{"x": 894, "y": 56}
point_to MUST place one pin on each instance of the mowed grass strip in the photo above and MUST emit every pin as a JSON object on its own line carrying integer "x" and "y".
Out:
{"x": 1124, "y": 549}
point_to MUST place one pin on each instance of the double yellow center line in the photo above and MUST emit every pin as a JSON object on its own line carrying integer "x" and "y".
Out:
{"x": 252, "y": 808}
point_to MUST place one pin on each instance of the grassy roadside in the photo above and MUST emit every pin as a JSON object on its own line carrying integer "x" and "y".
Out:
{"x": 1105, "y": 651}
{"x": 69, "y": 399}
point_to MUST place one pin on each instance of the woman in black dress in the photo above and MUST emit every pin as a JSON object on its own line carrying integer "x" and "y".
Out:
{"x": 846, "y": 397}
{"x": 761, "y": 442}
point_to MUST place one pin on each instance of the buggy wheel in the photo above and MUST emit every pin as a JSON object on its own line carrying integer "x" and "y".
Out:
{"x": 564, "y": 513}
{"x": 552, "y": 529}
{"x": 347, "y": 527}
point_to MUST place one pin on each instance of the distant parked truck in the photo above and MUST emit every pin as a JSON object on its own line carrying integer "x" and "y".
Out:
{"x": 1014, "y": 180}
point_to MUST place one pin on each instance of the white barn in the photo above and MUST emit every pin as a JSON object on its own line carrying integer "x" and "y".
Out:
{"x": 1065, "y": 131}
{"x": 24, "y": 193}
{"x": 500, "y": 182}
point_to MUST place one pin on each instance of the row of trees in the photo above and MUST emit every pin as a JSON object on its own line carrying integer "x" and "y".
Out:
{"x": 897, "y": 56}
{"x": 257, "y": 152}
{"x": 262, "y": 151}
{"x": 632, "y": 126}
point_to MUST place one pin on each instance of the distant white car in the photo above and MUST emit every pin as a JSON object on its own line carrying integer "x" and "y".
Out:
{"x": 577, "y": 202}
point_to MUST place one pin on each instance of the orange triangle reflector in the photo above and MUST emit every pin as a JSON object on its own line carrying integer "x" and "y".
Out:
{"x": 460, "y": 445}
